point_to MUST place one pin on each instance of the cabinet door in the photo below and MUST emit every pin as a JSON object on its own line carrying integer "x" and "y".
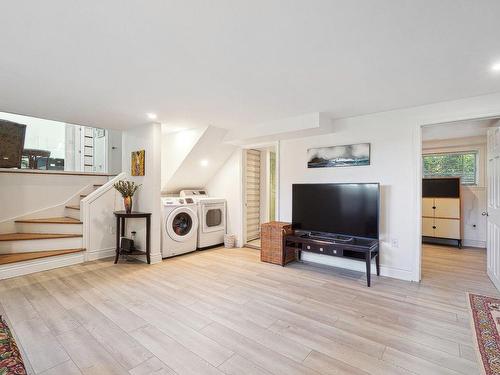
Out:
{"x": 447, "y": 228}
{"x": 427, "y": 207}
{"x": 447, "y": 207}
{"x": 427, "y": 227}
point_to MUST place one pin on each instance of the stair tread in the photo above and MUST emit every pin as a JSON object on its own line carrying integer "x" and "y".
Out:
{"x": 51, "y": 220}
{"x": 20, "y": 257}
{"x": 73, "y": 207}
{"x": 35, "y": 236}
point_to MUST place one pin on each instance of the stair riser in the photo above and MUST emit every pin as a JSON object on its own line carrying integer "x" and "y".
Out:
{"x": 75, "y": 214}
{"x": 8, "y": 247}
{"x": 49, "y": 228}
{"x": 37, "y": 265}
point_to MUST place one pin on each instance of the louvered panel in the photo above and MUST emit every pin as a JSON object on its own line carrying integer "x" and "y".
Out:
{"x": 253, "y": 179}
{"x": 252, "y": 195}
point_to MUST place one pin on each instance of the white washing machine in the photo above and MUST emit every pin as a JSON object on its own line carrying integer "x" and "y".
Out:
{"x": 211, "y": 217}
{"x": 179, "y": 226}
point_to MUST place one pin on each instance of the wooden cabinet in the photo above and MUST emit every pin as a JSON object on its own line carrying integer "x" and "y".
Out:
{"x": 447, "y": 228}
{"x": 441, "y": 218}
{"x": 447, "y": 208}
{"x": 428, "y": 226}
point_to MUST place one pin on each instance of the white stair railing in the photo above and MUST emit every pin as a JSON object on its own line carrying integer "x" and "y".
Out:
{"x": 97, "y": 215}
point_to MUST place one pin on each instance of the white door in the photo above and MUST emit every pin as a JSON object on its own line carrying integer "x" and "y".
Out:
{"x": 493, "y": 232}
{"x": 252, "y": 194}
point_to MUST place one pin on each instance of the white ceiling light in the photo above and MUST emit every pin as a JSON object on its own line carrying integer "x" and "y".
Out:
{"x": 496, "y": 67}
{"x": 204, "y": 162}
{"x": 152, "y": 116}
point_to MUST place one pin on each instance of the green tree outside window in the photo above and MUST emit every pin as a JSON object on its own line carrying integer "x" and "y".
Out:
{"x": 457, "y": 164}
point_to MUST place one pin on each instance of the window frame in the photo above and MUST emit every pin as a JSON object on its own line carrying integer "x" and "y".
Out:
{"x": 477, "y": 166}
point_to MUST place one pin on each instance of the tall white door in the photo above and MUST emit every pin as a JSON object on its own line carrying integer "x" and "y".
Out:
{"x": 493, "y": 237}
{"x": 252, "y": 194}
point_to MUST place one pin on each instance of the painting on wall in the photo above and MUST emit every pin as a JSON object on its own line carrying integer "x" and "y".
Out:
{"x": 137, "y": 165}
{"x": 339, "y": 156}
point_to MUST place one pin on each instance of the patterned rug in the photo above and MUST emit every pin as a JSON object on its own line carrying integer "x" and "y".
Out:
{"x": 11, "y": 362}
{"x": 485, "y": 312}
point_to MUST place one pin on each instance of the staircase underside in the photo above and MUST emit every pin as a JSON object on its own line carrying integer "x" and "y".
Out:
{"x": 20, "y": 257}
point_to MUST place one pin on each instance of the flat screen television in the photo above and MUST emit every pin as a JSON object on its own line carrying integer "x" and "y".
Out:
{"x": 340, "y": 209}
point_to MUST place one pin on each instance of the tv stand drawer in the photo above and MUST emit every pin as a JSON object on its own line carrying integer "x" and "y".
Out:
{"x": 322, "y": 249}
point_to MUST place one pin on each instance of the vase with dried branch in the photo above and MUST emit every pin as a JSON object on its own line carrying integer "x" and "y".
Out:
{"x": 127, "y": 189}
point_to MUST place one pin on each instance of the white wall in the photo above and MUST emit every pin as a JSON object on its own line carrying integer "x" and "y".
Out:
{"x": 22, "y": 193}
{"x": 192, "y": 173}
{"x": 396, "y": 163}
{"x": 175, "y": 148}
{"x": 227, "y": 183}
{"x": 114, "y": 150}
{"x": 147, "y": 198}
{"x": 474, "y": 198}
{"x": 386, "y": 168}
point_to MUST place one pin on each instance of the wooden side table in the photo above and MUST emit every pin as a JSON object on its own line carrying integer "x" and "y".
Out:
{"x": 121, "y": 216}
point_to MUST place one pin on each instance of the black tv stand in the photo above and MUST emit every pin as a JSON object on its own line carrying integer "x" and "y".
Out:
{"x": 357, "y": 248}
{"x": 328, "y": 237}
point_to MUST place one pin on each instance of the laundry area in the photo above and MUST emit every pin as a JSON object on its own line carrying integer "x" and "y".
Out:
{"x": 193, "y": 218}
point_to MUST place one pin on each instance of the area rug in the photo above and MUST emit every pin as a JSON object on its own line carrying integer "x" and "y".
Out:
{"x": 485, "y": 313}
{"x": 11, "y": 362}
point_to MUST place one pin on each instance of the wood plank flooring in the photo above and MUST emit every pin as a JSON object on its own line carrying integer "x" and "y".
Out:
{"x": 223, "y": 312}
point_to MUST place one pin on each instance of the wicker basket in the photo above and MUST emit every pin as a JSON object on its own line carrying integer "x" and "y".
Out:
{"x": 271, "y": 237}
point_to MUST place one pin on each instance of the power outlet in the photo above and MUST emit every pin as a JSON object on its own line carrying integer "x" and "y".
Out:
{"x": 394, "y": 243}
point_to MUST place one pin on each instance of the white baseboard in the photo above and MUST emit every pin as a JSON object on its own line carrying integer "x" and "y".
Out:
{"x": 100, "y": 254}
{"x": 474, "y": 243}
{"x": 357, "y": 266}
{"x": 494, "y": 280}
{"x": 156, "y": 258}
{"x": 38, "y": 265}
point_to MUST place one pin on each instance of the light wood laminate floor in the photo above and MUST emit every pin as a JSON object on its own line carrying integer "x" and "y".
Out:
{"x": 223, "y": 312}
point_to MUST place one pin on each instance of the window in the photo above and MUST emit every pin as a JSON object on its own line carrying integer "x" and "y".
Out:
{"x": 455, "y": 164}
{"x": 33, "y": 143}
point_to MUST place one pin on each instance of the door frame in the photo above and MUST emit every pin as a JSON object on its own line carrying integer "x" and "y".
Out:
{"x": 276, "y": 145}
{"x": 417, "y": 142}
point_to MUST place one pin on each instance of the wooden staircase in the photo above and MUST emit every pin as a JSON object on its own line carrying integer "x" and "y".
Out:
{"x": 38, "y": 238}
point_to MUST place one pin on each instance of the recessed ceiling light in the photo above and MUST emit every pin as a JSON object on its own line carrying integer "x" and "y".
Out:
{"x": 204, "y": 162}
{"x": 152, "y": 116}
{"x": 496, "y": 67}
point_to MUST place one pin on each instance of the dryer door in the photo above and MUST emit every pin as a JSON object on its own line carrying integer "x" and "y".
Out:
{"x": 213, "y": 217}
{"x": 182, "y": 224}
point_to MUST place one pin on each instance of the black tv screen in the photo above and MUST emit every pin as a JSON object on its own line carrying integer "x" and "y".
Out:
{"x": 345, "y": 209}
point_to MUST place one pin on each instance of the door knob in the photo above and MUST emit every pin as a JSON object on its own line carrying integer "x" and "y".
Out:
{"x": 485, "y": 213}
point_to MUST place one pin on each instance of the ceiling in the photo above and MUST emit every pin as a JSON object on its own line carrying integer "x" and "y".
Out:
{"x": 235, "y": 63}
{"x": 458, "y": 129}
